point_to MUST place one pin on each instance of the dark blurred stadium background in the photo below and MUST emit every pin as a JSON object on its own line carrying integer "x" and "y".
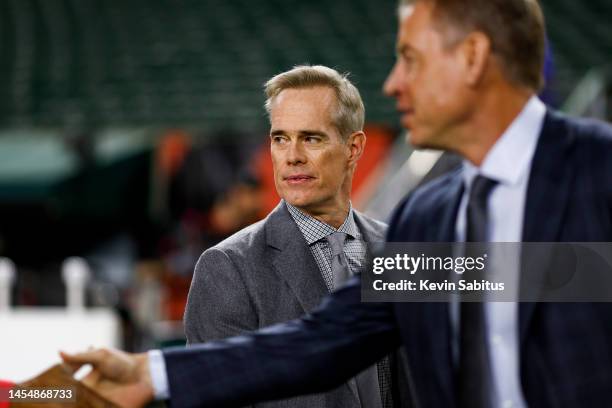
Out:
{"x": 100, "y": 63}
{"x": 132, "y": 133}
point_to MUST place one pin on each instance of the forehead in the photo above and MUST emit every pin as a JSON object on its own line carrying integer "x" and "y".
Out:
{"x": 415, "y": 24}
{"x": 303, "y": 105}
{"x": 323, "y": 94}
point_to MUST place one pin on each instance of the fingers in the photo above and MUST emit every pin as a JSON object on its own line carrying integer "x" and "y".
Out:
{"x": 93, "y": 357}
{"x": 97, "y": 358}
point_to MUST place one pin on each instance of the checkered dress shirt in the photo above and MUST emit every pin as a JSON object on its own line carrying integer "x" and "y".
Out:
{"x": 355, "y": 250}
{"x": 315, "y": 231}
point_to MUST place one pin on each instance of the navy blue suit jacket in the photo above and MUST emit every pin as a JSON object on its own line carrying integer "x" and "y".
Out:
{"x": 565, "y": 349}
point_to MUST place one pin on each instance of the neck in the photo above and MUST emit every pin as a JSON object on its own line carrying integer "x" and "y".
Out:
{"x": 334, "y": 216}
{"x": 494, "y": 113}
{"x": 335, "y": 220}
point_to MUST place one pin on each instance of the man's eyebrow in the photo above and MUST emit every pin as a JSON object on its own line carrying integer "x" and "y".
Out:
{"x": 308, "y": 132}
{"x": 301, "y": 133}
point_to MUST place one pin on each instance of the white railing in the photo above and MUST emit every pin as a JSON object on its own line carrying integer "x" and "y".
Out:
{"x": 30, "y": 337}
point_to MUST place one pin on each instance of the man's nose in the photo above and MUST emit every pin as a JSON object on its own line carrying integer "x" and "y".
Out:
{"x": 295, "y": 153}
{"x": 390, "y": 87}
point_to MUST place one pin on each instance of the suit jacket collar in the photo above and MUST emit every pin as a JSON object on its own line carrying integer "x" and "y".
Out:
{"x": 368, "y": 234}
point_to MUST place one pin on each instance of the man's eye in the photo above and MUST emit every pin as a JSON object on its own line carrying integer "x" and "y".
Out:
{"x": 312, "y": 139}
{"x": 407, "y": 59}
{"x": 278, "y": 140}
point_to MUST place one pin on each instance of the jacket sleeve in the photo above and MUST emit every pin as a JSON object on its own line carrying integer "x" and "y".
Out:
{"x": 218, "y": 304}
{"x": 308, "y": 355}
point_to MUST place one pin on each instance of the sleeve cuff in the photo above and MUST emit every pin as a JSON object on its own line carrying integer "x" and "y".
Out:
{"x": 159, "y": 377}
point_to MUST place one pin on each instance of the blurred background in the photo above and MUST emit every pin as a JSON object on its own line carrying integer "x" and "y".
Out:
{"x": 133, "y": 137}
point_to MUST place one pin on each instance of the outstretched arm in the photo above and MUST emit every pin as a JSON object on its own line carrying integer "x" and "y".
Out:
{"x": 308, "y": 355}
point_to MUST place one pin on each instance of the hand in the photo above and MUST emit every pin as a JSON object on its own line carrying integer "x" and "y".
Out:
{"x": 122, "y": 378}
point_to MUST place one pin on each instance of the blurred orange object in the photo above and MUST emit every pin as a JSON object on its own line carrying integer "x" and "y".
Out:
{"x": 172, "y": 149}
{"x": 176, "y": 288}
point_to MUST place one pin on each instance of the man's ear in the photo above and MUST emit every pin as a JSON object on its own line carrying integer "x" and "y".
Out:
{"x": 356, "y": 144}
{"x": 476, "y": 52}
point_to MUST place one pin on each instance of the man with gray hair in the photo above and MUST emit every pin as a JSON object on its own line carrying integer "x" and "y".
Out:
{"x": 282, "y": 267}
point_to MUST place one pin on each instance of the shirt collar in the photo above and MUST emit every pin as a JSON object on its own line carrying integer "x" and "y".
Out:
{"x": 509, "y": 159}
{"x": 314, "y": 230}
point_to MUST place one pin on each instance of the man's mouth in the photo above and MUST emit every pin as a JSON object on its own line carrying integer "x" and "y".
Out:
{"x": 298, "y": 178}
{"x": 407, "y": 116}
{"x": 406, "y": 111}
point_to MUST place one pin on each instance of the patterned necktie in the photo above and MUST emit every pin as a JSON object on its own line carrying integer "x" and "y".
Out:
{"x": 474, "y": 374}
{"x": 370, "y": 381}
{"x": 339, "y": 264}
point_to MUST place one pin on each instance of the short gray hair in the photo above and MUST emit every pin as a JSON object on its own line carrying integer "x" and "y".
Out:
{"x": 349, "y": 114}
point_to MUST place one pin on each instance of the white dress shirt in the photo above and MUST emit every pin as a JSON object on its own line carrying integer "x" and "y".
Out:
{"x": 159, "y": 377}
{"x": 509, "y": 163}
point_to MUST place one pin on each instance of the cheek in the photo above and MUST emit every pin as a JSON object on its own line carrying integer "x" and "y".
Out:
{"x": 276, "y": 171}
{"x": 442, "y": 91}
{"x": 333, "y": 168}
{"x": 276, "y": 159}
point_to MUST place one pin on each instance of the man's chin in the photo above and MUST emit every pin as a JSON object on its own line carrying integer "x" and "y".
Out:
{"x": 298, "y": 202}
{"x": 417, "y": 140}
{"x": 420, "y": 141}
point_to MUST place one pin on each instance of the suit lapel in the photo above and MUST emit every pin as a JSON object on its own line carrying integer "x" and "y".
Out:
{"x": 369, "y": 234}
{"x": 547, "y": 197}
{"x": 448, "y": 213}
{"x": 549, "y": 182}
{"x": 438, "y": 317}
{"x": 293, "y": 260}
{"x": 429, "y": 345}
{"x": 294, "y": 263}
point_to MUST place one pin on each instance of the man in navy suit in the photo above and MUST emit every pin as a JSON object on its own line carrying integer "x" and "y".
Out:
{"x": 465, "y": 81}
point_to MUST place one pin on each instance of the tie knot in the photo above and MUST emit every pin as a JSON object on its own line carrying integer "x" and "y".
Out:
{"x": 481, "y": 188}
{"x": 336, "y": 242}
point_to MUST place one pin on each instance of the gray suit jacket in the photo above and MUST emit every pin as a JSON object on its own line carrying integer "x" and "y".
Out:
{"x": 262, "y": 275}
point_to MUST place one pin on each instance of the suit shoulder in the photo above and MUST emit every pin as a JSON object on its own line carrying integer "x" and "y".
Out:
{"x": 590, "y": 142}
{"x": 430, "y": 194}
{"x": 418, "y": 205}
{"x": 241, "y": 241}
{"x": 587, "y": 131}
